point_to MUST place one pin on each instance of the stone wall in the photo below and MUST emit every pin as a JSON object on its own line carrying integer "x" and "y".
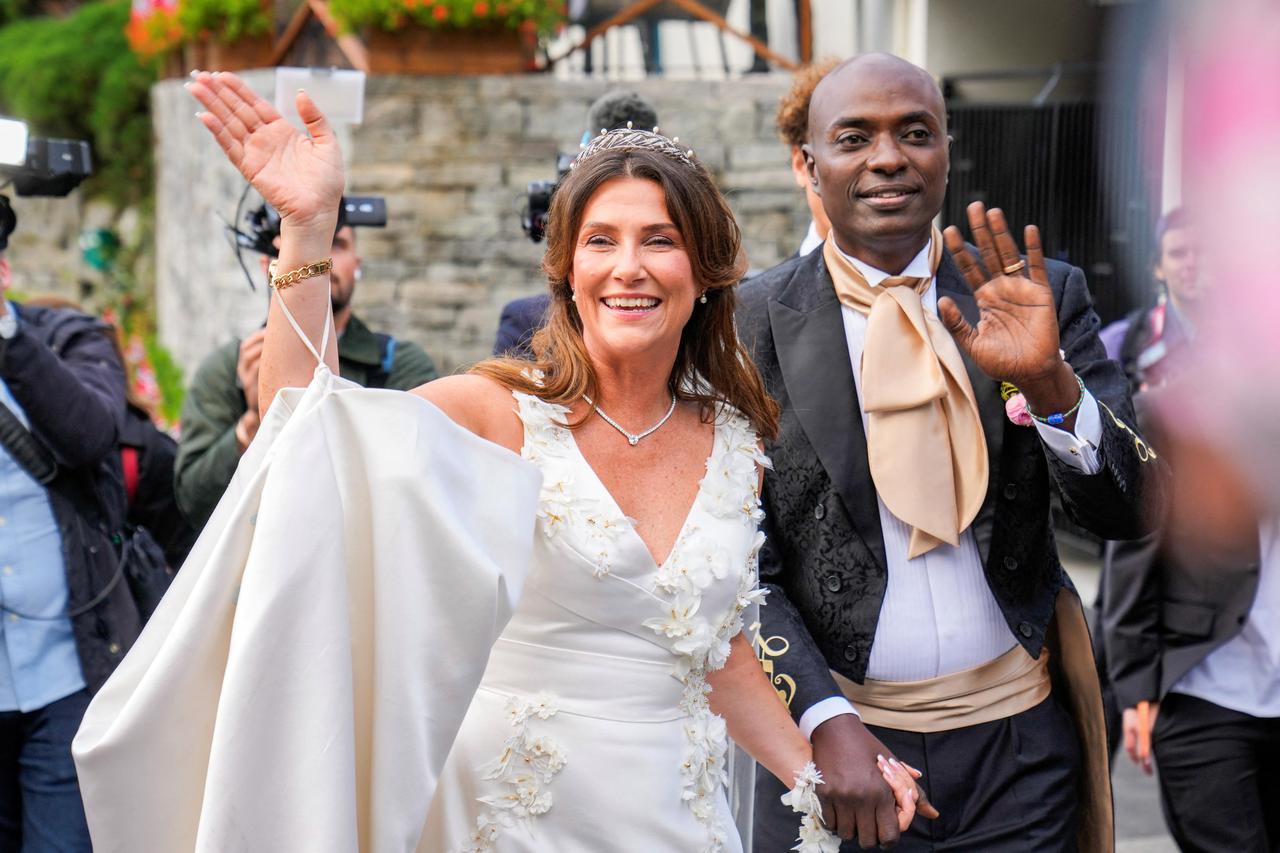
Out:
{"x": 44, "y": 251}
{"x": 453, "y": 157}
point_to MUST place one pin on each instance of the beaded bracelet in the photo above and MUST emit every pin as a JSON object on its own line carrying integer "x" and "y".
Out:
{"x": 1057, "y": 418}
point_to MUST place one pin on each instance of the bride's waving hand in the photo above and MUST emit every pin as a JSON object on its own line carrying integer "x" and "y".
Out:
{"x": 301, "y": 176}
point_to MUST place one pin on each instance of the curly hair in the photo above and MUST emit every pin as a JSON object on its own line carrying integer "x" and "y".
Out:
{"x": 793, "y": 107}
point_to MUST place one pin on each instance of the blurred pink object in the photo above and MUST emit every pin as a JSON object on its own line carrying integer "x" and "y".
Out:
{"x": 1231, "y": 164}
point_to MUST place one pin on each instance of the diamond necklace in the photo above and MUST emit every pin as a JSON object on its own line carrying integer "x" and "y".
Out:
{"x": 633, "y": 438}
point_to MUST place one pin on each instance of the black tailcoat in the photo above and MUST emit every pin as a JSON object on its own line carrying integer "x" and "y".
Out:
{"x": 824, "y": 561}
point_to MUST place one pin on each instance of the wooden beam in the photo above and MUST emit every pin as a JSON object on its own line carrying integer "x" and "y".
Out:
{"x": 624, "y": 16}
{"x": 693, "y": 8}
{"x": 699, "y": 11}
{"x": 290, "y": 35}
{"x": 351, "y": 46}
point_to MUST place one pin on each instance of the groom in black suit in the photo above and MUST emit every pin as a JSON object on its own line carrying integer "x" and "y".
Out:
{"x": 917, "y": 604}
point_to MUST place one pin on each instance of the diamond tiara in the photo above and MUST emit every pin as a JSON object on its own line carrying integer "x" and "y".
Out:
{"x": 630, "y": 138}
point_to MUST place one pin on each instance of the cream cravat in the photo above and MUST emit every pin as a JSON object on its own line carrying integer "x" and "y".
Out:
{"x": 925, "y": 444}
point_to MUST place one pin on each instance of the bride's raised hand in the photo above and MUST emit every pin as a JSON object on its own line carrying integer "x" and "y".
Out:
{"x": 300, "y": 175}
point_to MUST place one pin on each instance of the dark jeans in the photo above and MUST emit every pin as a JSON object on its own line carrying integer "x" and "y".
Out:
{"x": 1007, "y": 786}
{"x": 1219, "y": 776}
{"x": 40, "y": 808}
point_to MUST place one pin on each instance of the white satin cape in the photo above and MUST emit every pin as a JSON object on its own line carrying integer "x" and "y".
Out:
{"x": 300, "y": 685}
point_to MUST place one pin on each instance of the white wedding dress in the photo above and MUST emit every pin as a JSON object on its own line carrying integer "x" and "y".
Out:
{"x": 591, "y": 731}
{"x": 300, "y": 686}
{"x": 309, "y": 682}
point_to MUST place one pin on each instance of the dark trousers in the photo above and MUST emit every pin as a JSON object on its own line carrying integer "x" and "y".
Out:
{"x": 1219, "y": 776}
{"x": 40, "y": 807}
{"x": 1007, "y": 786}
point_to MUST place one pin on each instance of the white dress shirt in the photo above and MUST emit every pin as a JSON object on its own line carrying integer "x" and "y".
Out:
{"x": 812, "y": 240}
{"x": 1243, "y": 674}
{"x": 939, "y": 615}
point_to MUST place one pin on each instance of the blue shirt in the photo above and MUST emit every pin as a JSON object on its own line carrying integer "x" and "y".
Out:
{"x": 38, "y": 659}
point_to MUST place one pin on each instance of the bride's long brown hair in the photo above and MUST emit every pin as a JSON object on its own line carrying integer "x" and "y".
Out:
{"x": 711, "y": 366}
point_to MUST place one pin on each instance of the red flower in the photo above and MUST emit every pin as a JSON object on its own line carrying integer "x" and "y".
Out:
{"x": 481, "y": 9}
{"x": 439, "y": 13}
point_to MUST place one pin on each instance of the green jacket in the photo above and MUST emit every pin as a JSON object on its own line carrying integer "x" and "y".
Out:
{"x": 207, "y": 452}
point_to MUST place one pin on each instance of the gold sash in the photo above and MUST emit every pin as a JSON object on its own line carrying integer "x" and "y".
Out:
{"x": 1010, "y": 684}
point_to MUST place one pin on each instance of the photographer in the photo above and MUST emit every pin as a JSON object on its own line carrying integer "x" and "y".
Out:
{"x": 67, "y": 619}
{"x": 220, "y": 416}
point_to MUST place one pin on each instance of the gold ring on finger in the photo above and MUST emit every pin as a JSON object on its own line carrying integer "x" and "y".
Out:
{"x": 1015, "y": 268}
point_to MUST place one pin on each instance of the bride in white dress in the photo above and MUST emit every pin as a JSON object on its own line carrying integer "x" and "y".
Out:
{"x": 602, "y": 721}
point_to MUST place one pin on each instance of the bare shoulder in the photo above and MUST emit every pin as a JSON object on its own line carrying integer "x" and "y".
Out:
{"x": 479, "y": 404}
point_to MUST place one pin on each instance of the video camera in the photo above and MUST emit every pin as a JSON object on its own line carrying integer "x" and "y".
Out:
{"x": 263, "y": 225}
{"x": 533, "y": 219}
{"x": 358, "y": 211}
{"x": 41, "y": 167}
{"x": 37, "y": 167}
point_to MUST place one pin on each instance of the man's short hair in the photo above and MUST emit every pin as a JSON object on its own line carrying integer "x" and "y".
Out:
{"x": 793, "y": 108}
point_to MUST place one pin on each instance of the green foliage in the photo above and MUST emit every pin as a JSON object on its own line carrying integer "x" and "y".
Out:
{"x": 541, "y": 15}
{"x": 168, "y": 377}
{"x": 128, "y": 303}
{"x": 225, "y": 20}
{"x": 76, "y": 77}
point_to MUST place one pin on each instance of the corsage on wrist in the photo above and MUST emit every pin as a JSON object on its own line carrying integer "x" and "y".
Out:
{"x": 1018, "y": 412}
{"x": 803, "y": 799}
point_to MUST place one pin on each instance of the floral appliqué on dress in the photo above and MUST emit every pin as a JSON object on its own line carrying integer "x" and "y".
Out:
{"x": 527, "y": 763}
{"x": 561, "y": 506}
{"x": 701, "y": 642}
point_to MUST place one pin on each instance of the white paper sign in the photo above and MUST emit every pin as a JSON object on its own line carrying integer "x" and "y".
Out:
{"x": 338, "y": 93}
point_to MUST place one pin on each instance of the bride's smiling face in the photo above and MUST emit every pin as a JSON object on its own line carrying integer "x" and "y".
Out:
{"x": 631, "y": 276}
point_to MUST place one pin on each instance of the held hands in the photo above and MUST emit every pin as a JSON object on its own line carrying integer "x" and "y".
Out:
{"x": 906, "y": 793}
{"x": 1016, "y": 339}
{"x": 300, "y": 176}
{"x": 860, "y": 799}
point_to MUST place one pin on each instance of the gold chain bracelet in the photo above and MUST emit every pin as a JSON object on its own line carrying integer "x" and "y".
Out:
{"x": 289, "y": 279}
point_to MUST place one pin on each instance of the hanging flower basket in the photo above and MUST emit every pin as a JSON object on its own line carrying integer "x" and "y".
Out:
{"x": 418, "y": 50}
{"x": 217, "y": 55}
{"x": 450, "y": 36}
{"x": 210, "y": 35}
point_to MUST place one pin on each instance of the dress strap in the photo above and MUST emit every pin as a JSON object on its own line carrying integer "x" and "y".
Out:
{"x": 324, "y": 339}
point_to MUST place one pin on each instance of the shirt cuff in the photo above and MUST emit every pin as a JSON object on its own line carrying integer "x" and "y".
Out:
{"x": 1077, "y": 449}
{"x": 819, "y": 712}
